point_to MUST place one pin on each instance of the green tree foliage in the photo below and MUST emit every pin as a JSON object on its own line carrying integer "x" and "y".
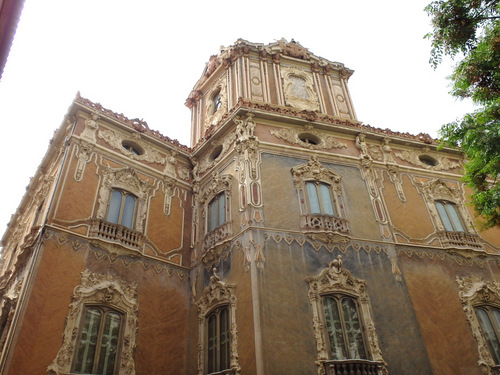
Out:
{"x": 471, "y": 29}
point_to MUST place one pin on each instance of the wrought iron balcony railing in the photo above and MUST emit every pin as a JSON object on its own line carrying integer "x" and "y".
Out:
{"x": 353, "y": 367}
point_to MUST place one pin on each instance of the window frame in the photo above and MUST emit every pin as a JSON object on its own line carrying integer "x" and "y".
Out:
{"x": 122, "y": 207}
{"x": 100, "y": 290}
{"x": 335, "y": 280}
{"x": 216, "y": 296}
{"x": 450, "y": 208}
{"x": 217, "y": 365}
{"x": 105, "y": 311}
{"x": 321, "y": 199}
{"x": 219, "y": 198}
{"x": 475, "y": 292}
{"x": 339, "y": 297}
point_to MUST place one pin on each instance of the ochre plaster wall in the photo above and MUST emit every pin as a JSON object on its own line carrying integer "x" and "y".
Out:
{"x": 163, "y": 303}
{"x": 404, "y": 215}
{"x": 433, "y": 290}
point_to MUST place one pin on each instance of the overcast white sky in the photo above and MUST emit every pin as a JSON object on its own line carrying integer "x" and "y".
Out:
{"x": 142, "y": 58}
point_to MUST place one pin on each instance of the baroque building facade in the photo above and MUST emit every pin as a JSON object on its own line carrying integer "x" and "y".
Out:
{"x": 290, "y": 238}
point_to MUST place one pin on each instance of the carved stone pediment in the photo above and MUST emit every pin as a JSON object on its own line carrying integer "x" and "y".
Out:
{"x": 315, "y": 171}
{"x": 437, "y": 189}
{"x": 298, "y": 86}
{"x": 219, "y": 183}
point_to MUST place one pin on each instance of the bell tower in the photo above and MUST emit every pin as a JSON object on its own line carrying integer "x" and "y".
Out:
{"x": 283, "y": 75}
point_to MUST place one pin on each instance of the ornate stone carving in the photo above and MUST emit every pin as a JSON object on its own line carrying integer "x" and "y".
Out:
{"x": 362, "y": 146}
{"x": 105, "y": 290}
{"x": 324, "y": 141}
{"x": 126, "y": 179}
{"x": 115, "y": 140}
{"x": 170, "y": 163}
{"x": 219, "y": 183}
{"x": 313, "y": 170}
{"x": 91, "y": 127}
{"x": 337, "y": 279}
{"x": 218, "y": 149}
{"x": 215, "y": 294}
{"x": 299, "y": 89}
{"x": 169, "y": 191}
{"x": 84, "y": 154}
{"x": 414, "y": 157}
{"x": 213, "y": 116}
{"x": 474, "y": 291}
{"x": 437, "y": 189}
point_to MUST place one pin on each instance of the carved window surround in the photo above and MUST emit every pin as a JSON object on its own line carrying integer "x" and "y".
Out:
{"x": 474, "y": 291}
{"x": 218, "y": 185}
{"x": 295, "y": 136}
{"x": 336, "y": 279}
{"x": 437, "y": 190}
{"x": 218, "y": 293}
{"x": 314, "y": 171}
{"x": 97, "y": 289}
{"x": 128, "y": 180}
{"x": 309, "y": 101}
{"x": 214, "y": 115}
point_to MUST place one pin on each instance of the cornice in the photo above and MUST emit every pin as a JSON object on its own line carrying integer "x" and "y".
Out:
{"x": 136, "y": 124}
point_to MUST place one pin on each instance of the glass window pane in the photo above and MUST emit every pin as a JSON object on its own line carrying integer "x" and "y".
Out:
{"x": 109, "y": 344}
{"x": 489, "y": 333}
{"x": 455, "y": 219}
{"x": 224, "y": 339}
{"x": 312, "y": 195}
{"x": 87, "y": 343}
{"x": 444, "y": 217}
{"x": 212, "y": 343}
{"x": 326, "y": 199}
{"x": 222, "y": 209}
{"x": 334, "y": 329}
{"x": 128, "y": 211}
{"x": 353, "y": 332}
{"x": 212, "y": 215}
{"x": 114, "y": 207}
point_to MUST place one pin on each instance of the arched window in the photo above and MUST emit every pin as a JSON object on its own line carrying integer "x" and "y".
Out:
{"x": 489, "y": 321}
{"x": 121, "y": 208}
{"x": 216, "y": 101}
{"x": 97, "y": 345}
{"x": 216, "y": 212}
{"x": 449, "y": 216}
{"x": 218, "y": 340}
{"x": 344, "y": 328}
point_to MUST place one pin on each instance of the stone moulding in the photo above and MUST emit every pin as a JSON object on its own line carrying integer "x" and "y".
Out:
{"x": 97, "y": 289}
{"x": 305, "y": 97}
{"x": 218, "y": 293}
{"x": 474, "y": 291}
{"x": 336, "y": 279}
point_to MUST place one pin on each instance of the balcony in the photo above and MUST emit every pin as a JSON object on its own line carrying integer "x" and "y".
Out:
{"x": 217, "y": 235}
{"x": 324, "y": 223}
{"x": 460, "y": 239}
{"x": 353, "y": 367}
{"x": 116, "y": 233}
